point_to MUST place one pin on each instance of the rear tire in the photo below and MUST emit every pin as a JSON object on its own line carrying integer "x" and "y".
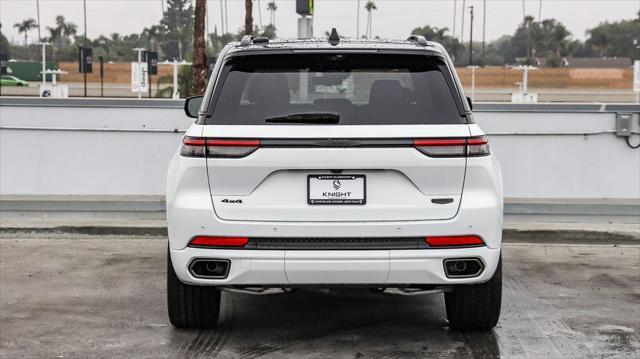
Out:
{"x": 191, "y": 306}
{"x": 475, "y": 306}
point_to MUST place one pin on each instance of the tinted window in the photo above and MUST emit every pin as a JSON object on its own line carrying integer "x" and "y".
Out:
{"x": 362, "y": 89}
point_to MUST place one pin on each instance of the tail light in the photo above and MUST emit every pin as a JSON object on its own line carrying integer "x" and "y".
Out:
{"x": 209, "y": 241}
{"x": 453, "y": 147}
{"x": 454, "y": 241}
{"x": 217, "y": 148}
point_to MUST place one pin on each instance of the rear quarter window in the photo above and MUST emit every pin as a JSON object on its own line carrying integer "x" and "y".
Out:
{"x": 362, "y": 89}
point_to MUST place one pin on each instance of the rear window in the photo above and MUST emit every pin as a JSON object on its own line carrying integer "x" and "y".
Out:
{"x": 353, "y": 89}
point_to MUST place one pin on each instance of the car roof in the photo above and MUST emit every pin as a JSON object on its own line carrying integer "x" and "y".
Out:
{"x": 344, "y": 44}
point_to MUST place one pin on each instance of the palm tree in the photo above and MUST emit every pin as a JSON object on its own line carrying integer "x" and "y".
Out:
{"x": 153, "y": 35}
{"x": 54, "y": 37}
{"x": 526, "y": 23}
{"x": 60, "y": 34}
{"x": 24, "y": 27}
{"x": 199, "y": 57}
{"x": 370, "y": 6}
{"x": 69, "y": 29}
{"x": 248, "y": 17}
{"x": 272, "y": 7}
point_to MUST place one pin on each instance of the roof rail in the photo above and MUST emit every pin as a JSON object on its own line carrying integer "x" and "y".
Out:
{"x": 250, "y": 39}
{"x": 418, "y": 40}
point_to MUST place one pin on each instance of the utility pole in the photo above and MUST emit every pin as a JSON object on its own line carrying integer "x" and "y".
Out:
{"x": 471, "y": 37}
{"x": 358, "y": 20}
{"x": 484, "y": 26}
{"x": 453, "y": 31}
{"x": 222, "y": 18}
{"x": 226, "y": 17}
{"x": 38, "y": 12}
{"x": 84, "y": 3}
{"x": 462, "y": 25}
{"x": 540, "y": 11}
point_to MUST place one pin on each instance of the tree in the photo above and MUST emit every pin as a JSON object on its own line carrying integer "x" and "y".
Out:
{"x": 69, "y": 29}
{"x": 615, "y": 38}
{"x": 4, "y": 44}
{"x": 154, "y": 35}
{"x": 272, "y": 7}
{"x": 23, "y": 28}
{"x": 199, "y": 66}
{"x": 370, "y": 6}
{"x": 248, "y": 17}
{"x": 178, "y": 22}
{"x": 268, "y": 31}
{"x": 450, "y": 43}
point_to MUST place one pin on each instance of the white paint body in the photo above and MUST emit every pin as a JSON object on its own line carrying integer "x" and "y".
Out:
{"x": 192, "y": 210}
{"x": 265, "y": 195}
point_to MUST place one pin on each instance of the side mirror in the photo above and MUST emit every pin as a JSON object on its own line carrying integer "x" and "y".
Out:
{"x": 470, "y": 103}
{"x": 192, "y": 106}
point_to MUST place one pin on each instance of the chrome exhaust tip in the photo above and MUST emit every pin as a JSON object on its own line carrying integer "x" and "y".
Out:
{"x": 210, "y": 268}
{"x": 463, "y": 267}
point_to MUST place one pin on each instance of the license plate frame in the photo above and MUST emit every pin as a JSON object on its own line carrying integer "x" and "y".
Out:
{"x": 337, "y": 201}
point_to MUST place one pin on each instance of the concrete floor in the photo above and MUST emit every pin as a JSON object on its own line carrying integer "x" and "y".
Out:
{"x": 105, "y": 297}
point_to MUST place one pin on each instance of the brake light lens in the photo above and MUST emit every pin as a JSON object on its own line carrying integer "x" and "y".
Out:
{"x": 209, "y": 241}
{"x": 454, "y": 241}
{"x": 453, "y": 147}
{"x": 478, "y": 146}
{"x": 218, "y": 148}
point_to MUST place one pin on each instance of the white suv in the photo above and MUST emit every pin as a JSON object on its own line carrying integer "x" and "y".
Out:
{"x": 333, "y": 163}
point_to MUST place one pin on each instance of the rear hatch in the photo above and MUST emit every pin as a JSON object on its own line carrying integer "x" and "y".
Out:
{"x": 335, "y": 137}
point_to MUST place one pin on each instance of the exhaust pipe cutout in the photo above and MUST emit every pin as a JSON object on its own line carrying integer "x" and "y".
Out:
{"x": 210, "y": 268}
{"x": 463, "y": 267}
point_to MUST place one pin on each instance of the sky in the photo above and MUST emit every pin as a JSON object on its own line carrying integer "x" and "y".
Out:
{"x": 393, "y": 19}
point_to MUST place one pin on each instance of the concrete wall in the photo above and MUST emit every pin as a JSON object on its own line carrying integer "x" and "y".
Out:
{"x": 122, "y": 147}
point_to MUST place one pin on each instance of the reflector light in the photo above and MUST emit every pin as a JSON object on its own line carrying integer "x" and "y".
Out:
{"x": 440, "y": 142}
{"x": 218, "y": 148}
{"x": 453, "y": 147}
{"x": 234, "y": 143}
{"x": 454, "y": 241}
{"x": 207, "y": 241}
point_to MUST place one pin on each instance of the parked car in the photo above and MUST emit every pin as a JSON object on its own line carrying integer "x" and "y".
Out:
{"x": 334, "y": 163}
{"x": 7, "y": 80}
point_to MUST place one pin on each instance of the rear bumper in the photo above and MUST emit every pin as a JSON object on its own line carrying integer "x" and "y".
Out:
{"x": 190, "y": 213}
{"x": 374, "y": 267}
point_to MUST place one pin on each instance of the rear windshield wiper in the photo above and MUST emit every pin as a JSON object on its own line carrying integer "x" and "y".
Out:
{"x": 309, "y": 117}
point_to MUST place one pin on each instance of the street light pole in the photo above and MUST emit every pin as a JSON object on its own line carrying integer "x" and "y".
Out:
{"x": 44, "y": 60}
{"x": 462, "y": 23}
{"x": 453, "y": 31}
{"x": 358, "y": 19}
{"x": 471, "y": 37}
{"x": 484, "y": 27}
{"x": 473, "y": 83}
{"x": 176, "y": 93}
{"x": 84, "y": 3}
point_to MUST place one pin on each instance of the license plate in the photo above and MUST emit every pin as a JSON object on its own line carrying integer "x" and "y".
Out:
{"x": 336, "y": 189}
